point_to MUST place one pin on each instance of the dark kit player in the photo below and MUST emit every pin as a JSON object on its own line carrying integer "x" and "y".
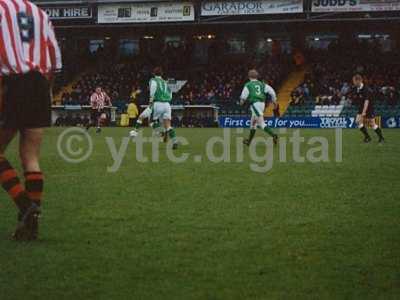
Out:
{"x": 29, "y": 54}
{"x": 363, "y": 98}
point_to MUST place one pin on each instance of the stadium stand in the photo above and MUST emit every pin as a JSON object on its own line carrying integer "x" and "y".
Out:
{"x": 324, "y": 91}
{"x": 222, "y": 83}
{"x": 284, "y": 92}
{"x": 315, "y": 87}
{"x": 218, "y": 84}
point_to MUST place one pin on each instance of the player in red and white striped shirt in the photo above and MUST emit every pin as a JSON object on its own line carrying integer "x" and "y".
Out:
{"x": 27, "y": 39}
{"x": 98, "y": 101}
{"x": 29, "y": 55}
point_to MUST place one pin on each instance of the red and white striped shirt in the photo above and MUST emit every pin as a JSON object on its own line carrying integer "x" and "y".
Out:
{"x": 27, "y": 39}
{"x": 99, "y": 100}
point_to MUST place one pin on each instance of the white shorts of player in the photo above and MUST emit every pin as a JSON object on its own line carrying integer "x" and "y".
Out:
{"x": 257, "y": 115}
{"x": 162, "y": 111}
{"x": 257, "y": 109}
{"x": 146, "y": 113}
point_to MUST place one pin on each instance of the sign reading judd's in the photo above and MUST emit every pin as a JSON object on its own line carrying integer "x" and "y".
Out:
{"x": 354, "y": 5}
{"x": 236, "y": 8}
{"x": 74, "y": 12}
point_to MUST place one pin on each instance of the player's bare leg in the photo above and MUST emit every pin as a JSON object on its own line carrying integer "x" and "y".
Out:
{"x": 31, "y": 140}
{"x": 98, "y": 129}
{"x": 164, "y": 136}
{"x": 170, "y": 132}
{"x": 377, "y": 130}
{"x": 30, "y": 144}
{"x": 360, "y": 120}
{"x": 6, "y": 136}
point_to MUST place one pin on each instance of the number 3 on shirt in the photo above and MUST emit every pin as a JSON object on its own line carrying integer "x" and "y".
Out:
{"x": 26, "y": 28}
{"x": 258, "y": 89}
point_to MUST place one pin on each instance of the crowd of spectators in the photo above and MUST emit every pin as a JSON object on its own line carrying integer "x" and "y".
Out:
{"x": 125, "y": 79}
{"x": 329, "y": 81}
{"x": 220, "y": 83}
{"x": 223, "y": 82}
{"x": 117, "y": 80}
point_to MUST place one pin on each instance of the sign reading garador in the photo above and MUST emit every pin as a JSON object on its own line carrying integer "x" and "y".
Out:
{"x": 237, "y": 8}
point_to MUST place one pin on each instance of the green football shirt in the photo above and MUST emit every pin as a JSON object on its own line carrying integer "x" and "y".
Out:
{"x": 256, "y": 91}
{"x": 163, "y": 92}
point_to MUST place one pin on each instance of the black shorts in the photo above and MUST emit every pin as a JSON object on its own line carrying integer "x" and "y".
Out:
{"x": 370, "y": 111}
{"x": 95, "y": 114}
{"x": 26, "y": 101}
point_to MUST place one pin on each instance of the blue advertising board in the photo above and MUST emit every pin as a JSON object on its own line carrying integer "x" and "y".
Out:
{"x": 391, "y": 122}
{"x": 307, "y": 122}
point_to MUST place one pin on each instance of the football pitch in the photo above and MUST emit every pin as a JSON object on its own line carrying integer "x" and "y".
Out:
{"x": 211, "y": 230}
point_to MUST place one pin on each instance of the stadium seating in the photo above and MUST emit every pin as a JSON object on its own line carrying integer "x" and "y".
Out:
{"x": 327, "y": 111}
{"x": 325, "y": 89}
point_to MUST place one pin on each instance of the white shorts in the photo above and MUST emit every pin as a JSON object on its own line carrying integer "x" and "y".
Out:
{"x": 162, "y": 111}
{"x": 146, "y": 114}
{"x": 257, "y": 109}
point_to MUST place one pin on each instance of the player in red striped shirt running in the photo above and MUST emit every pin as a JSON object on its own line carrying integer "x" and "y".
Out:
{"x": 98, "y": 102}
{"x": 29, "y": 55}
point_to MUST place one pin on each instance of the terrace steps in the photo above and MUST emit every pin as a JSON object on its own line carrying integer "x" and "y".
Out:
{"x": 69, "y": 88}
{"x": 294, "y": 80}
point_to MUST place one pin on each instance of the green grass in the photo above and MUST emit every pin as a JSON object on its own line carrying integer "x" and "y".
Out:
{"x": 211, "y": 231}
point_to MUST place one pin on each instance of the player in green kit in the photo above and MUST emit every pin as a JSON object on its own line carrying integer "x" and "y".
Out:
{"x": 161, "y": 96}
{"x": 146, "y": 114}
{"x": 255, "y": 92}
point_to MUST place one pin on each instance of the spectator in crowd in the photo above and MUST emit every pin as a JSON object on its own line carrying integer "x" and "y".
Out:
{"x": 298, "y": 96}
{"x": 391, "y": 96}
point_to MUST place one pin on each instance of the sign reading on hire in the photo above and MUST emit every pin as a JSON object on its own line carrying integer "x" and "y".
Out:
{"x": 73, "y": 12}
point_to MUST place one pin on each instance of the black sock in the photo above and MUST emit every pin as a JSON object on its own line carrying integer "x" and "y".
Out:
{"x": 34, "y": 182}
{"x": 365, "y": 132}
{"x": 252, "y": 134}
{"x": 378, "y": 132}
